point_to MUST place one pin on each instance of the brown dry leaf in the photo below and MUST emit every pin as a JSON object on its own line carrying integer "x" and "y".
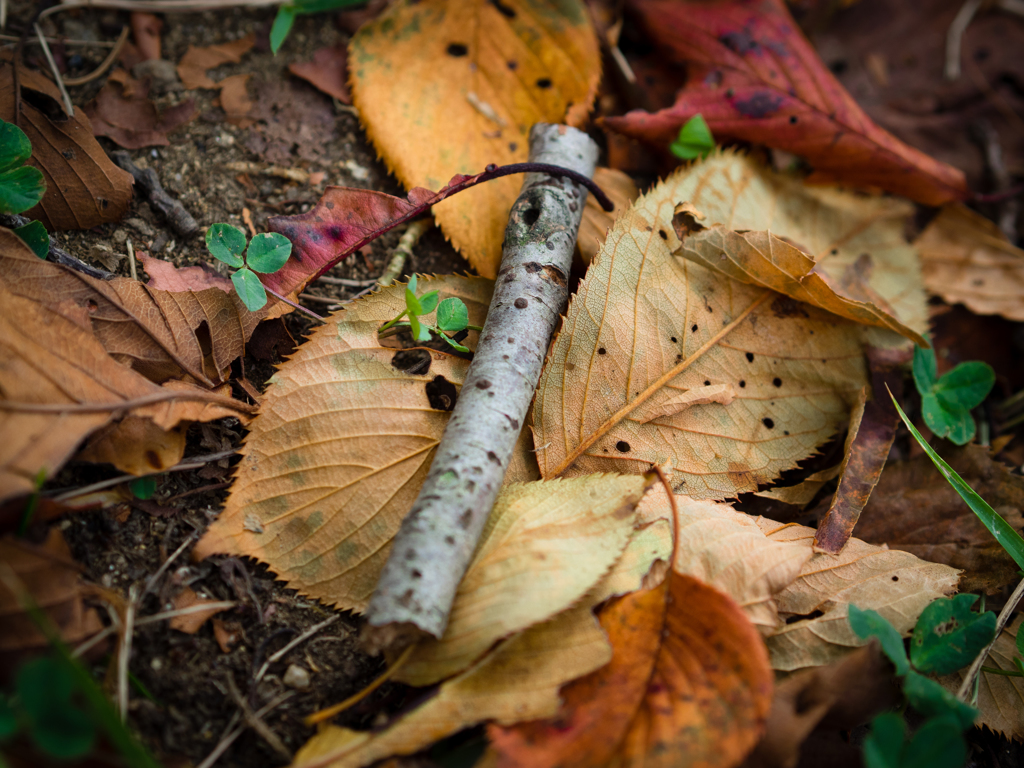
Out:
{"x": 843, "y": 694}
{"x": 760, "y": 257}
{"x": 913, "y": 509}
{"x": 83, "y": 186}
{"x": 52, "y": 579}
{"x": 814, "y": 606}
{"x": 966, "y": 259}
{"x": 856, "y": 242}
{"x": 160, "y": 334}
{"x": 596, "y": 220}
{"x": 190, "y": 623}
{"x": 688, "y": 685}
{"x": 323, "y": 513}
{"x": 661, "y": 359}
{"x": 59, "y": 384}
{"x": 1000, "y": 698}
{"x": 803, "y": 493}
{"x": 327, "y": 72}
{"x": 235, "y": 101}
{"x": 438, "y": 96}
{"x": 135, "y": 122}
{"x": 545, "y": 545}
{"x": 518, "y": 681}
{"x": 726, "y": 549}
{"x": 136, "y": 445}
{"x": 196, "y": 61}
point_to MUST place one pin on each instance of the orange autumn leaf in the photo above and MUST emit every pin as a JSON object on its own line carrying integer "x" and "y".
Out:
{"x": 688, "y": 685}
{"x": 451, "y": 86}
{"x": 754, "y": 77}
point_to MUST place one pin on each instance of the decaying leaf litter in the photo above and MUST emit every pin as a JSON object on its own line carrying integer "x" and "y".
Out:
{"x": 793, "y": 601}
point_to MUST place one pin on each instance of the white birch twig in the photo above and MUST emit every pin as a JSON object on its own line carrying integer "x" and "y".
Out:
{"x": 437, "y": 539}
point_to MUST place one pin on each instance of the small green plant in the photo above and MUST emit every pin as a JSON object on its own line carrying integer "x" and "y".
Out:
{"x": 946, "y": 402}
{"x": 947, "y": 637}
{"x": 287, "y": 13}
{"x": 694, "y": 139}
{"x": 21, "y": 186}
{"x": 143, "y": 488}
{"x": 452, "y": 317}
{"x": 265, "y": 253}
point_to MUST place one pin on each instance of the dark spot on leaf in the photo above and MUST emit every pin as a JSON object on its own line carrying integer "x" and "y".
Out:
{"x": 513, "y": 65}
{"x": 602, "y": 351}
{"x": 622, "y": 446}
{"x": 707, "y": 383}
{"x": 834, "y": 251}
{"x": 777, "y": 381}
{"x": 457, "y": 49}
{"x": 519, "y": 303}
{"x": 335, "y": 232}
{"x": 759, "y": 105}
{"x": 786, "y": 432}
{"x": 153, "y": 459}
{"x": 68, "y": 154}
{"x": 693, "y": 327}
{"x": 544, "y": 82}
{"x": 792, "y": 119}
{"x": 441, "y": 394}
{"x": 740, "y": 41}
{"x": 674, "y": 339}
{"x": 504, "y": 10}
{"x": 512, "y": 146}
{"x": 662, "y": 234}
{"x": 750, "y": 357}
{"x": 768, "y": 422}
{"x": 742, "y": 383}
{"x": 895, "y": 578}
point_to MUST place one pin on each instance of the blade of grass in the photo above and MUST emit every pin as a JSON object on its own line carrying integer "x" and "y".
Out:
{"x": 1005, "y": 534}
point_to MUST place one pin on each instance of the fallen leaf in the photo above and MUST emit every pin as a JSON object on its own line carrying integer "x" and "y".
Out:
{"x": 645, "y": 327}
{"x": 136, "y": 445}
{"x": 870, "y": 438}
{"x": 966, "y": 259}
{"x": 135, "y": 122}
{"x": 596, "y": 220}
{"x": 291, "y": 123}
{"x": 235, "y": 101}
{"x": 52, "y": 579}
{"x": 814, "y": 606}
{"x": 913, "y": 509}
{"x": 754, "y": 77}
{"x": 688, "y": 685}
{"x": 190, "y": 623}
{"x": 164, "y": 276}
{"x": 437, "y": 97}
{"x": 727, "y": 550}
{"x": 83, "y": 186}
{"x": 327, "y": 72}
{"x": 146, "y": 30}
{"x": 327, "y": 510}
{"x": 344, "y": 220}
{"x": 59, "y": 384}
{"x": 196, "y": 61}
{"x": 804, "y": 492}
{"x": 843, "y": 694}
{"x": 1000, "y": 698}
{"x": 160, "y": 334}
{"x": 519, "y": 680}
{"x": 545, "y": 545}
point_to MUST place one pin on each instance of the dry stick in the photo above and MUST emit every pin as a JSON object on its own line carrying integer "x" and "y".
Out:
{"x": 436, "y": 541}
{"x": 355, "y": 698}
{"x": 255, "y": 721}
{"x": 124, "y": 655}
{"x": 1004, "y": 618}
{"x": 403, "y": 251}
{"x": 300, "y": 639}
{"x": 179, "y": 219}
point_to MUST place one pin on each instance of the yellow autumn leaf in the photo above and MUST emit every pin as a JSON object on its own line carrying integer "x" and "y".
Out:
{"x": 596, "y": 221}
{"x": 726, "y": 549}
{"x": 451, "y": 86}
{"x": 545, "y": 545}
{"x": 967, "y": 260}
{"x": 340, "y": 448}
{"x": 660, "y": 359}
{"x": 1000, "y": 698}
{"x": 896, "y": 584}
{"x": 517, "y": 681}
{"x": 857, "y": 242}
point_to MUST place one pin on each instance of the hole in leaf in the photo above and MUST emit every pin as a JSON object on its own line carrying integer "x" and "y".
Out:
{"x": 457, "y": 49}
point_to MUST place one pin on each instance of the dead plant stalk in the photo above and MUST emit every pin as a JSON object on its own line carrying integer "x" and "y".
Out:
{"x": 439, "y": 535}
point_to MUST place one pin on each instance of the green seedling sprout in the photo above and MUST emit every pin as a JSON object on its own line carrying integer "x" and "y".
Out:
{"x": 21, "y": 186}
{"x": 452, "y": 317}
{"x": 265, "y": 253}
{"x": 288, "y": 12}
{"x": 694, "y": 140}
{"x": 946, "y": 402}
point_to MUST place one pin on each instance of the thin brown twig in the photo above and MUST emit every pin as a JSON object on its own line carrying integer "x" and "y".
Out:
{"x": 124, "y": 655}
{"x": 255, "y": 721}
{"x": 300, "y": 639}
{"x": 327, "y": 714}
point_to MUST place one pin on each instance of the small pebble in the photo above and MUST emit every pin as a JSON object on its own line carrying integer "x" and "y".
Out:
{"x": 224, "y": 140}
{"x": 296, "y": 677}
{"x": 157, "y": 664}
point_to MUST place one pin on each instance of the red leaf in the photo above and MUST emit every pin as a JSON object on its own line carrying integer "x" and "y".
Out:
{"x": 343, "y": 221}
{"x": 328, "y": 72}
{"x": 754, "y": 77}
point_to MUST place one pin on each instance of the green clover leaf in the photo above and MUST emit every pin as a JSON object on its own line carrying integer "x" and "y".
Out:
{"x": 268, "y": 252}
{"x": 227, "y": 244}
{"x": 694, "y": 139}
{"x": 452, "y": 315}
{"x": 872, "y": 624}
{"x": 250, "y": 289}
{"x": 949, "y": 635}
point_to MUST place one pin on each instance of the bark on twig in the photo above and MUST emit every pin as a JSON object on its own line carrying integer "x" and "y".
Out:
{"x": 439, "y": 535}
{"x": 179, "y": 219}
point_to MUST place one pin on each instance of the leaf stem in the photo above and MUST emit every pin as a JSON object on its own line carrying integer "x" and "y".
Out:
{"x": 291, "y": 303}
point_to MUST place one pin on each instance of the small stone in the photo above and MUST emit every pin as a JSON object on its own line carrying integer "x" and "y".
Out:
{"x": 355, "y": 170}
{"x": 157, "y": 664}
{"x": 224, "y": 140}
{"x": 296, "y": 677}
{"x": 141, "y": 226}
{"x": 120, "y": 236}
{"x": 163, "y": 74}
